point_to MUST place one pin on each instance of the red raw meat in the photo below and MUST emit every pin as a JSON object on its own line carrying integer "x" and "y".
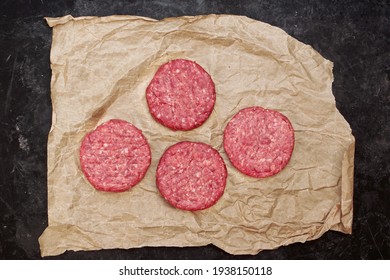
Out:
{"x": 115, "y": 156}
{"x": 181, "y": 95}
{"x": 191, "y": 176}
{"x": 259, "y": 142}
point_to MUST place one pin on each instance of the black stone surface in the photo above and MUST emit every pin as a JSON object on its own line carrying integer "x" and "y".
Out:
{"x": 355, "y": 35}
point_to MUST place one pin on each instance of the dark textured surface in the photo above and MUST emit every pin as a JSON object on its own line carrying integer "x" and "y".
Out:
{"x": 355, "y": 35}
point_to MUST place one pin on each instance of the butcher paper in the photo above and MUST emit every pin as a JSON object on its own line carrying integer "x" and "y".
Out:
{"x": 101, "y": 67}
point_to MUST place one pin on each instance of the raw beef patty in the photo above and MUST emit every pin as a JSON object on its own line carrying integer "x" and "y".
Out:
{"x": 181, "y": 95}
{"x": 191, "y": 175}
{"x": 115, "y": 156}
{"x": 259, "y": 142}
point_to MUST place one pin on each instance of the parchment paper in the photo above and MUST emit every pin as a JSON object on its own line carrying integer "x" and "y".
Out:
{"x": 100, "y": 70}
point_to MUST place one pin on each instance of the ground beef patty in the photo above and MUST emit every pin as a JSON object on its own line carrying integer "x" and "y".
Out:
{"x": 191, "y": 175}
{"x": 115, "y": 156}
{"x": 259, "y": 142}
{"x": 181, "y": 95}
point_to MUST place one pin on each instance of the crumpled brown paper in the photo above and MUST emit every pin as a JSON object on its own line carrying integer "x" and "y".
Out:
{"x": 101, "y": 68}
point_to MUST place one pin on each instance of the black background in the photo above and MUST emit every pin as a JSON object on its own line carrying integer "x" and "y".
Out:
{"x": 353, "y": 34}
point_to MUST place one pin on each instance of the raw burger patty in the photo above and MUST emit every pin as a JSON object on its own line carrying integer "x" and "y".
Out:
{"x": 115, "y": 156}
{"x": 259, "y": 142}
{"x": 191, "y": 175}
{"x": 181, "y": 95}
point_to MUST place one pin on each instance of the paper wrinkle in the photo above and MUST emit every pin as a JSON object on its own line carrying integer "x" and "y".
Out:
{"x": 101, "y": 67}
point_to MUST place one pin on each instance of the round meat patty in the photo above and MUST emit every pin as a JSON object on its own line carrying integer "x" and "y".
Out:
{"x": 191, "y": 176}
{"x": 181, "y": 95}
{"x": 115, "y": 156}
{"x": 259, "y": 142}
